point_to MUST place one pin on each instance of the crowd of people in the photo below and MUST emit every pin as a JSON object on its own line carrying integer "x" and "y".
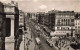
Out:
{"x": 65, "y": 43}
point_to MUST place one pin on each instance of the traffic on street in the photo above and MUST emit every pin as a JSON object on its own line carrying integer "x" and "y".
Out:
{"x": 39, "y": 25}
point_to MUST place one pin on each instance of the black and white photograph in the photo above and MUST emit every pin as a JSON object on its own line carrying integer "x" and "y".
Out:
{"x": 39, "y": 24}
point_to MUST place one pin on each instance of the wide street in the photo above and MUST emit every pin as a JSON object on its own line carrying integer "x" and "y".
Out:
{"x": 44, "y": 45}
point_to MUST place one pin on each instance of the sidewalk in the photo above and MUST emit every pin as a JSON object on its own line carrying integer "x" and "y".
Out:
{"x": 22, "y": 44}
{"x": 28, "y": 44}
{"x": 32, "y": 45}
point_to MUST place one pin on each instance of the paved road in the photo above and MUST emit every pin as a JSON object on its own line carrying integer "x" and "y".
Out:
{"x": 44, "y": 45}
{"x": 29, "y": 43}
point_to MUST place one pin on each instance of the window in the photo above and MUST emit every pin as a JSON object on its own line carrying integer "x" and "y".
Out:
{"x": 20, "y": 15}
{"x": 62, "y": 20}
{"x": 20, "y": 18}
{"x": 78, "y": 26}
{"x": 63, "y": 28}
{"x": 72, "y": 16}
{"x": 55, "y": 27}
{"x": 68, "y": 21}
{"x": 75, "y": 23}
{"x": 63, "y": 31}
{"x": 58, "y": 22}
{"x": 58, "y": 28}
{"x": 78, "y": 23}
{"x": 72, "y": 24}
{"x": 72, "y": 20}
{"x": 67, "y": 28}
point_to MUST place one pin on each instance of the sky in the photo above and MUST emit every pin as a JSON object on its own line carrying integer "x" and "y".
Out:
{"x": 47, "y": 5}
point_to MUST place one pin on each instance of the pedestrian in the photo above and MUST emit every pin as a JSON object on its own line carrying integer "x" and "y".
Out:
{"x": 56, "y": 44}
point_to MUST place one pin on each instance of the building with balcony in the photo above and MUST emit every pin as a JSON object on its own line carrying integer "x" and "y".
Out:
{"x": 62, "y": 22}
{"x": 12, "y": 23}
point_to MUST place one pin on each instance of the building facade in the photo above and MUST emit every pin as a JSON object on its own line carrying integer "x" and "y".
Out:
{"x": 46, "y": 19}
{"x": 2, "y": 27}
{"x": 21, "y": 18}
{"x": 62, "y": 22}
{"x": 12, "y": 23}
{"x": 40, "y": 17}
{"x": 77, "y": 24}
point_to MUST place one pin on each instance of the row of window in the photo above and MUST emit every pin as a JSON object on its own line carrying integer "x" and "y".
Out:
{"x": 72, "y": 16}
{"x": 77, "y": 23}
{"x": 65, "y": 22}
{"x": 21, "y": 21}
{"x": 62, "y": 28}
{"x": 77, "y": 27}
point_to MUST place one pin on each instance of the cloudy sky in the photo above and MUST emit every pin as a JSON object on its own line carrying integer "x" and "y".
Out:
{"x": 47, "y": 5}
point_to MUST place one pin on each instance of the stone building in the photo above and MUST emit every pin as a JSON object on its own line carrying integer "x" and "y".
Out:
{"x": 62, "y": 22}
{"x": 77, "y": 24}
{"x": 2, "y": 27}
{"x": 12, "y": 23}
{"x": 40, "y": 17}
{"x": 21, "y": 18}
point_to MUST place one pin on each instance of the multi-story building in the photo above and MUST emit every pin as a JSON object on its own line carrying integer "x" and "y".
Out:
{"x": 62, "y": 22}
{"x": 40, "y": 17}
{"x": 12, "y": 23}
{"x": 33, "y": 16}
{"x": 51, "y": 20}
{"x": 46, "y": 19}
{"x": 2, "y": 27}
{"x": 21, "y": 18}
{"x": 77, "y": 24}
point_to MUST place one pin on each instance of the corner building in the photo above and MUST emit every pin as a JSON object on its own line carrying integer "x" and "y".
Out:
{"x": 63, "y": 22}
{"x": 12, "y": 23}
